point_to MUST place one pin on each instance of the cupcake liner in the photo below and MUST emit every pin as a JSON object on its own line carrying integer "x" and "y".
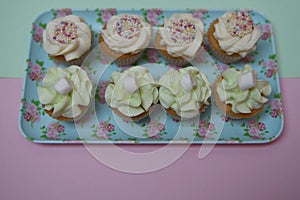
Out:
{"x": 225, "y": 59}
{"x": 134, "y": 118}
{"x": 77, "y": 61}
{"x": 118, "y": 58}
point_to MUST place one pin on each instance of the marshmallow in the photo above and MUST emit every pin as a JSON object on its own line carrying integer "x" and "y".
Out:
{"x": 187, "y": 82}
{"x": 247, "y": 80}
{"x": 130, "y": 84}
{"x": 62, "y": 86}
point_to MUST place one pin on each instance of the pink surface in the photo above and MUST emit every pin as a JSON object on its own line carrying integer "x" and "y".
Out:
{"x": 34, "y": 171}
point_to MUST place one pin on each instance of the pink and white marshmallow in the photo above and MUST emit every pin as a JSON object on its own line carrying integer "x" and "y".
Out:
{"x": 63, "y": 87}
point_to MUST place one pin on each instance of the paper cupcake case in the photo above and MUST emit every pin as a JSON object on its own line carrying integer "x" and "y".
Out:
{"x": 102, "y": 126}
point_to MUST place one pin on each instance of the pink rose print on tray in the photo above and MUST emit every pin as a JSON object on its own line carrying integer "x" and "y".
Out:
{"x": 254, "y": 129}
{"x": 154, "y": 130}
{"x": 103, "y": 130}
{"x": 105, "y": 14}
{"x": 154, "y": 16}
{"x": 274, "y": 107}
{"x": 201, "y": 14}
{"x": 270, "y": 67}
{"x": 57, "y": 13}
{"x": 220, "y": 68}
{"x": 250, "y": 58}
{"x": 267, "y": 30}
{"x": 100, "y": 91}
{"x": 31, "y": 111}
{"x": 35, "y": 71}
{"x": 153, "y": 56}
{"x": 53, "y": 131}
{"x": 37, "y": 32}
{"x": 205, "y": 129}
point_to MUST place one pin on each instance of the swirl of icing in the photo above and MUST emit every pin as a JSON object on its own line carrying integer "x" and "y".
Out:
{"x": 73, "y": 104}
{"x": 236, "y": 33}
{"x": 242, "y": 101}
{"x": 127, "y": 33}
{"x": 67, "y": 36}
{"x": 184, "y": 100}
{"x": 132, "y": 92}
{"x": 182, "y": 34}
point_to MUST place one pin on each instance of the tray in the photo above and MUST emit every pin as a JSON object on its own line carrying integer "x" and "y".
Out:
{"x": 100, "y": 125}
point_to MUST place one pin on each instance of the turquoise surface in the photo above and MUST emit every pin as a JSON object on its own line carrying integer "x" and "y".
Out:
{"x": 101, "y": 124}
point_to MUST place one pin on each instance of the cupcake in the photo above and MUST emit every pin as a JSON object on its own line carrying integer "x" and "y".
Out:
{"x": 67, "y": 40}
{"x": 239, "y": 94}
{"x": 132, "y": 93}
{"x": 233, "y": 36}
{"x": 184, "y": 93}
{"x": 124, "y": 37}
{"x": 66, "y": 93}
{"x": 180, "y": 38}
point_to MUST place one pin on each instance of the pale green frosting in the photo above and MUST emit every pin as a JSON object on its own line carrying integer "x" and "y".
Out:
{"x": 242, "y": 101}
{"x": 73, "y": 104}
{"x": 185, "y": 103}
{"x": 132, "y": 103}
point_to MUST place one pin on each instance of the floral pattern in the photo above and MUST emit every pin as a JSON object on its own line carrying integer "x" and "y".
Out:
{"x": 255, "y": 129}
{"x": 265, "y": 127}
{"x": 100, "y": 92}
{"x": 104, "y": 130}
{"x": 205, "y": 129}
{"x": 31, "y": 111}
{"x": 274, "y": 107}
{"x": 57, "y": 13}
{"x": 54, "y": 131}
{"x": 270, "y": 67}
{"x": 105, "y": 14}
{"x": 154, "y": 130}
{"x": 37, "y": 32}
{"x": 267, "y": 30}
{"x": 153, "y": 16}
{"x": 35, "y": 71}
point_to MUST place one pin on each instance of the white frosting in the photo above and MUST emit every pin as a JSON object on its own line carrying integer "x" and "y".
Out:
{"x": 136, "y": 100}
{"x": 231, "y": 44}
{"x": 124, "y": 45}
{"x": 73, "y": 104}
{"x": 76, "y": 47}
{"x": 184, "y": 97}
{"x": 184, "y": 49}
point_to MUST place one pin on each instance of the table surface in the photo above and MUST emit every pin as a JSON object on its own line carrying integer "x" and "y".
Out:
{"x": 34, "y": 171}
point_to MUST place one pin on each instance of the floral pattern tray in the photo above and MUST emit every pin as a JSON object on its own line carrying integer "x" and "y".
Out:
{"x": 100, "y": 125}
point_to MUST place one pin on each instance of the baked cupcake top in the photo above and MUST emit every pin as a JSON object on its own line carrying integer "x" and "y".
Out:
{"x": 184, "y": 90}
{"x": 67, "y": 36}
{"x": 242, "y": 90}
{"x": 127, "y": 33}
{"x": 132, "y": 92}
{"x": 67, "y": 91}
{"x": 236, "y": 33}
{"x": 182, "y": 34}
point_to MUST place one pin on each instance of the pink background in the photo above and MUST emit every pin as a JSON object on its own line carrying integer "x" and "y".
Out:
{"x": 35, "y": 171}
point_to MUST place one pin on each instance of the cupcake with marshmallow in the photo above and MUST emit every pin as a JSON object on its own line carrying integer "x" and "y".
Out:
{"x": 233, "y": 36}
{"x": 132, "y": 93}
{"x": 65, "y": 94}
{"x": 239, "y": 94}
{"x": 184, "y": 93}
{"x": 67, "y": 39}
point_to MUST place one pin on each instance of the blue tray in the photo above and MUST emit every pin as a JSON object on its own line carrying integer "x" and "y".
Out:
{"x": 100, "y": 125}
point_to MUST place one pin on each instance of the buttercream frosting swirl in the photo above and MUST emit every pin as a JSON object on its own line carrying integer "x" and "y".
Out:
{"x": 242, "y": 101}
{"x": 186, "y": 103}
{"x": 127, "y": 33}
{"x": 73, "y": 104}
{"x": 132, "y": 103}
{"x": 67, "y": 36}
{"x": 241, "y": 43}
{"x": 182, "y": 34}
